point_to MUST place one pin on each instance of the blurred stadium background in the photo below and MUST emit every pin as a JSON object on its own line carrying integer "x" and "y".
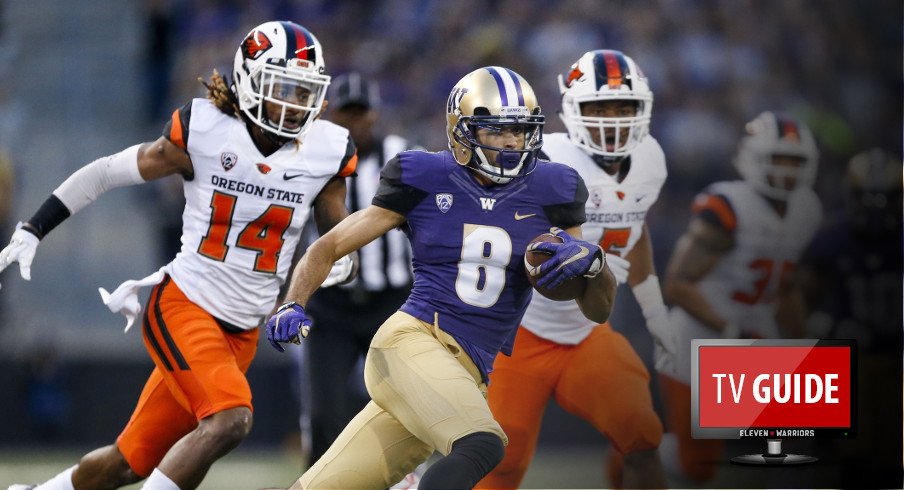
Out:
{"x": 85, "y": 78}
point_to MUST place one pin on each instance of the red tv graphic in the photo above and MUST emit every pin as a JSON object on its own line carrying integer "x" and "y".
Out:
{"x": 773, "y": 390}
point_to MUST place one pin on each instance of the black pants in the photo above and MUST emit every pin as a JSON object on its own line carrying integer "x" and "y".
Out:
{"x": 344, "y": 324}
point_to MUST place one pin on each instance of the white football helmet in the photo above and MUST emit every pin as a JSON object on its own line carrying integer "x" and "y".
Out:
{"x": 492, "y": 97}
{"x": 770, "y": 134}
{"x": 604, "y": 75}
{"x": 280, "y": 63}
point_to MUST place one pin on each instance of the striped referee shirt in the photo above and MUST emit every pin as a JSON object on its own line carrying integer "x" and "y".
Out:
{"x": 386, "y": 261}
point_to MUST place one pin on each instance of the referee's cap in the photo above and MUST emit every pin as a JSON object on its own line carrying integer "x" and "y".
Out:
{"x": 354, "y": 89}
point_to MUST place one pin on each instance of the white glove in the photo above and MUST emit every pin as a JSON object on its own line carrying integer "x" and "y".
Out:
{"x": 619, "y": 267}
{"x": 665, "y": 344}
{"x": 339, "y": 273}
{"x": 21, "y": 249}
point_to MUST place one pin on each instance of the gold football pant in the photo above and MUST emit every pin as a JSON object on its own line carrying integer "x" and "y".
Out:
{"x": 426, "y": 394}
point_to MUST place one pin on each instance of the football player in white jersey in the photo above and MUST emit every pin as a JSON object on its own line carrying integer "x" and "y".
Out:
{"x": 732, "y": 272}
{"x": 255, "y": 160}
{"x": 590, "y": 369}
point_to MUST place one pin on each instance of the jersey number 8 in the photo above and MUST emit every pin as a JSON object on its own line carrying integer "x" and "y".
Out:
{"x": 485, "y": 253}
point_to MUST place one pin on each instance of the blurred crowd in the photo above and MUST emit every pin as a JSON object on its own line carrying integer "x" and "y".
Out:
{"x": 712, "y": 64}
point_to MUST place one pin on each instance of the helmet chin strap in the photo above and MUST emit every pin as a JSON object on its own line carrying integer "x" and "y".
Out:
{"x": 503, "y": 157}
{"x": 510, "y": 158}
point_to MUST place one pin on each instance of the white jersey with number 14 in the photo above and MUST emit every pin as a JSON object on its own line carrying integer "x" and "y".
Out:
{"x": 244, "y": 211}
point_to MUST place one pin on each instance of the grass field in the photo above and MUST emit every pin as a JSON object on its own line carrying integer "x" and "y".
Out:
{"x": 246, "y": 469}
{"x": 553, "y": 467}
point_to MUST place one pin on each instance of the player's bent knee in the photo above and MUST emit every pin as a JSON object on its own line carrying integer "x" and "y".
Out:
{"x": 645, "y": 436}
{"x": 229, "y": 427}
{"x": 484, "y": 448}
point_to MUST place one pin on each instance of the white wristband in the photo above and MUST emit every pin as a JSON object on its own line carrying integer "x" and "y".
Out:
{"x": 99, "y": 176}
{"x": 649, "y": 297}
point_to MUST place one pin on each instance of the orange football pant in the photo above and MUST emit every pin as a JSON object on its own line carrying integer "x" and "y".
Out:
{"x": 601, "y": 380}
{"x": 199, "y": 371}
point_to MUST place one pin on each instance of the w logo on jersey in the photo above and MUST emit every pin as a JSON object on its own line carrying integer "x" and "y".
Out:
{"x": 444, "y": 202}
{"x": 487, "y": 203}
{"x": 228, "y": 160}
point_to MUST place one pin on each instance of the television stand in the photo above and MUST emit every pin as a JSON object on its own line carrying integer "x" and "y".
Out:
{"x": 773, "y": 456}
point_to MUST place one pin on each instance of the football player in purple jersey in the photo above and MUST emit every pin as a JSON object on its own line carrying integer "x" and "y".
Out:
{"x": 469, "y": 213}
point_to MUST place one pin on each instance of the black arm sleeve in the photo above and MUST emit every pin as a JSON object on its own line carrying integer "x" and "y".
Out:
{"x": 393, "y": 194}
{"x": 569, "y": 214}
{"x": 49, "y": 215}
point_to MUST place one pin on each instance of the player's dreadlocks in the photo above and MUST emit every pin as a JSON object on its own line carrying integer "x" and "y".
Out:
{"x": 221, "y": 95}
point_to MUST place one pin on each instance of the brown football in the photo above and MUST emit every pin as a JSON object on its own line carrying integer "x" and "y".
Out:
{"x": 568, "y": 290}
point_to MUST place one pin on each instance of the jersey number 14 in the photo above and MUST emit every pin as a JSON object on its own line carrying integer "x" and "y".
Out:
{"x": 263, "y": 235}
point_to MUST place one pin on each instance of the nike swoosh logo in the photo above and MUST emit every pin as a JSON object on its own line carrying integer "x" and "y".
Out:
{"x": 640, "y": 198}
{"x": 520, "y": 217}
{"x": 578, "y": 256}
{"x": 287, "y": 176}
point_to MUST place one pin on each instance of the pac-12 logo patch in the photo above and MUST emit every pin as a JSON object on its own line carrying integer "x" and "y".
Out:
{"x": 596, "y": 197}
{"x": 444, "y": 201}
{"x": 228, "y": 160}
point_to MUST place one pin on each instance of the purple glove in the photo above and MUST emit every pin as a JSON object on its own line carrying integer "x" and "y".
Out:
{"x": 571, "y": 258}
{"x": 289, "y": 324}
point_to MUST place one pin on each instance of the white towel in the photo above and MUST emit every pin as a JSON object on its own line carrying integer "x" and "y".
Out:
{"x": 125, "y": 298}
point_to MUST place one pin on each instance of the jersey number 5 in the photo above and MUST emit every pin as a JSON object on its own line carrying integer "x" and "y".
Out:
{"x": 263, "y": 235}
{"x": 615, "y": 240}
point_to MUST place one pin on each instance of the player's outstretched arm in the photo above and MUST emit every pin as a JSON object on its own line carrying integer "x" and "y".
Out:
{"x": 329, "y": 210}
{"x": 697, "y": 253}
{"x": 134, "y": 165}
{"x": 645, "y": 286}
{"x": 348, "y": 236}
{"x": 290, "y": 322}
